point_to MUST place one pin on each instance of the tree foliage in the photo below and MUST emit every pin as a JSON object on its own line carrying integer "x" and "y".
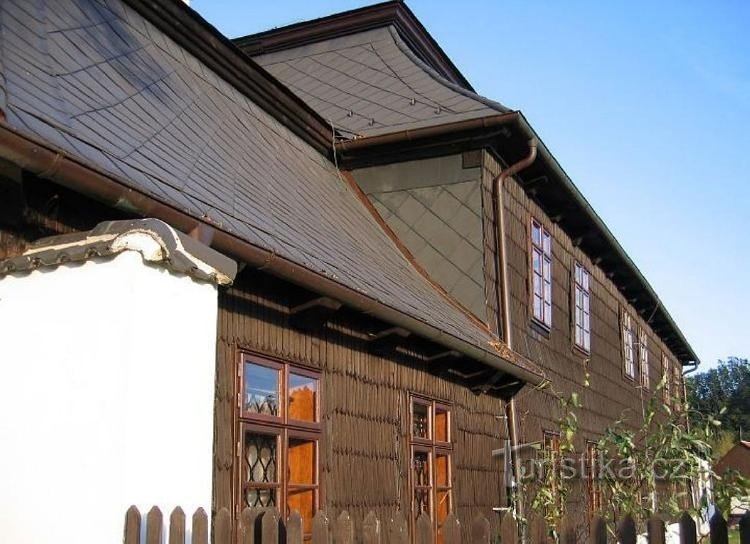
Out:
{"x": 727, "y": 388}
{"x": 658, "y": 459}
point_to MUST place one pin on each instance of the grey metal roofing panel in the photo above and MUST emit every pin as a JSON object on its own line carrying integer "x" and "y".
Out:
{"x": 101, "y": 83}
{"x": 370, "y": 83}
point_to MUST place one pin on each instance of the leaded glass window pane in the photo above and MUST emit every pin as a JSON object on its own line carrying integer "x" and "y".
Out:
{"x": 422, "y": 501}
{"x": 261, "y": 457}
{"x": 260, "y": 497}
{"x": 420, "y": 420}
{"x": 421, "y": 467}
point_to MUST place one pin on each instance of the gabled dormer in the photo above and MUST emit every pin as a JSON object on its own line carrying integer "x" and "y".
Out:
{"x": 369, "y": 71}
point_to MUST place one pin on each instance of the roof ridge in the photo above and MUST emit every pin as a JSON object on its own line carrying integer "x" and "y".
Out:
{"x": 406, "y": 50}
{"x": 392, "y": 12}
{"x": 185, "y": 26}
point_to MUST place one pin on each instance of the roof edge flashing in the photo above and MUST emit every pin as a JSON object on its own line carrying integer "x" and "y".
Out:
{"x": 44, "y": 159}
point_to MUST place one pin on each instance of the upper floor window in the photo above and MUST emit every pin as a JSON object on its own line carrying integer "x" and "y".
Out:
{"x": 677, "y": 386}
{"x": 666, "y": 370}
{"x": 280, "y": 437}
{"x": 431, "y": 466}
{"x": 582, "y": 300}
{"x": 541, "y": 273}
{"x": 643, "y": 357}
{"x": 628, "y": 345}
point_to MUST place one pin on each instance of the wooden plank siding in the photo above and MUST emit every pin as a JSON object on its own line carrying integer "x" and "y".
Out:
{"x": 610, "y": 393}
{"x": 365, "y": 449}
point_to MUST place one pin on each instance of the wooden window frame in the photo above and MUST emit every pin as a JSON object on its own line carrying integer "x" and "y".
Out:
{"x": 551, "y": 441}
{"x": 627, "y": 334}
{"x": 677, "y": 386}
{"x": 285, "y": 429}
{"x": 433, "y": 448}
{"x": 643, "y": 359}
{"x": 545, "y": 257}
{"x": 594, "y": 486}
{"x": 584, "y": 288}
{"x": 666, "y": 372}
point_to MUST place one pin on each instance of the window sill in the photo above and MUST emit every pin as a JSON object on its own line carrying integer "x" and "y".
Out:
{"x": 581, "y": 352}
{"x": 540, "y": 328}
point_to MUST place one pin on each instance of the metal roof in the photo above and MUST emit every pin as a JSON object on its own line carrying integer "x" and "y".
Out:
{"x": 369, "y": 82}
{"x": 103, "y": 84}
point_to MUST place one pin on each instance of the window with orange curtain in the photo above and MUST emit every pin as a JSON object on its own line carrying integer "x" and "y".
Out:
{"x": 280, "y": 437}
{"x": 431, "y": 447}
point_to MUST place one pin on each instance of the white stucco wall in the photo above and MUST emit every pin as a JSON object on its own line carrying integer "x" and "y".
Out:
{"x": 106, "y": 397}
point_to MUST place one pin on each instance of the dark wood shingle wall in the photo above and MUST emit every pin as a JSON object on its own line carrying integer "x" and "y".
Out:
{"x": 610, "y": 393}
{"x": 364, "y": 406}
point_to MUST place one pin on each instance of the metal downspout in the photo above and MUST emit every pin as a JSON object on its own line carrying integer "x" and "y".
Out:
{"x": 504, "y": 310}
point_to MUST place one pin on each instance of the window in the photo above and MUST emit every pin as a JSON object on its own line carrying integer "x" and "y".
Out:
{"x": 666, "y": 370}
{"x": 628, "y": 345}
{"x": 677, "y": 386}
{"x": 431, "y": 460}
{"x": 643, "y": 357}
{"x": 541, "y": 273}
{"x": 552, "y": 460}
{"x": 582, "y": 302}
{"x": 280, "y": 437}
{"x": 594, "y": 485}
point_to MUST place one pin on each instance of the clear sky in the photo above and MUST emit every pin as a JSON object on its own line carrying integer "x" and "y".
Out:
{"x": 645, "y": 104}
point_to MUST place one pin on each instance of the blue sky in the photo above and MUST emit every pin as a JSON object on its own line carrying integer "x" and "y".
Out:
{"x": 645, "y": 104}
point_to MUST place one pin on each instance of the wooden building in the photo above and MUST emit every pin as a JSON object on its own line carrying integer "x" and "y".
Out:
{"x": 737, "y": 458}
{"x": 382, "y": 315}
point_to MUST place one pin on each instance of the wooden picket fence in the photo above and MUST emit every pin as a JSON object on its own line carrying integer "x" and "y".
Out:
{"x": 627, "y": 532}
{"x": 263, "y": 526}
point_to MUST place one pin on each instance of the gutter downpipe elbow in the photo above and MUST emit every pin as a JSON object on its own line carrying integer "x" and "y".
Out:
{"x": 503, "y": 307}
{"x": 695, "y": 365}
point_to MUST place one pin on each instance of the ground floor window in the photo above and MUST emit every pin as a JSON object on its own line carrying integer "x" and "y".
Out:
{"x": 594, "y": 486}
{"x": 280, "y": 437}
{"x": 552, "y": 457}
{"x": 431, "y": 448}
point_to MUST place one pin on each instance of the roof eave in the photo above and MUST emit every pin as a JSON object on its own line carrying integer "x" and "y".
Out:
{"x": 493, "y": 131}
{"x": 44, "y": 159}
{"x": 551, "y": 162}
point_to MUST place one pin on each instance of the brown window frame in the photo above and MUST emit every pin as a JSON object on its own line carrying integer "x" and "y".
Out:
{"x": 581, "y": 307}
{"x": 666, "y": 372}
{"x": 551, "y": 442}
{"x": 433, "y": 448}
{"x": 594, "y": 485}
{"x": 628, "y": 335}
{"x": 285, "y": 429}
{"x": 643, "y": 359}
{"x": 536, "y": 248}
{"x": 677, "y": 385}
